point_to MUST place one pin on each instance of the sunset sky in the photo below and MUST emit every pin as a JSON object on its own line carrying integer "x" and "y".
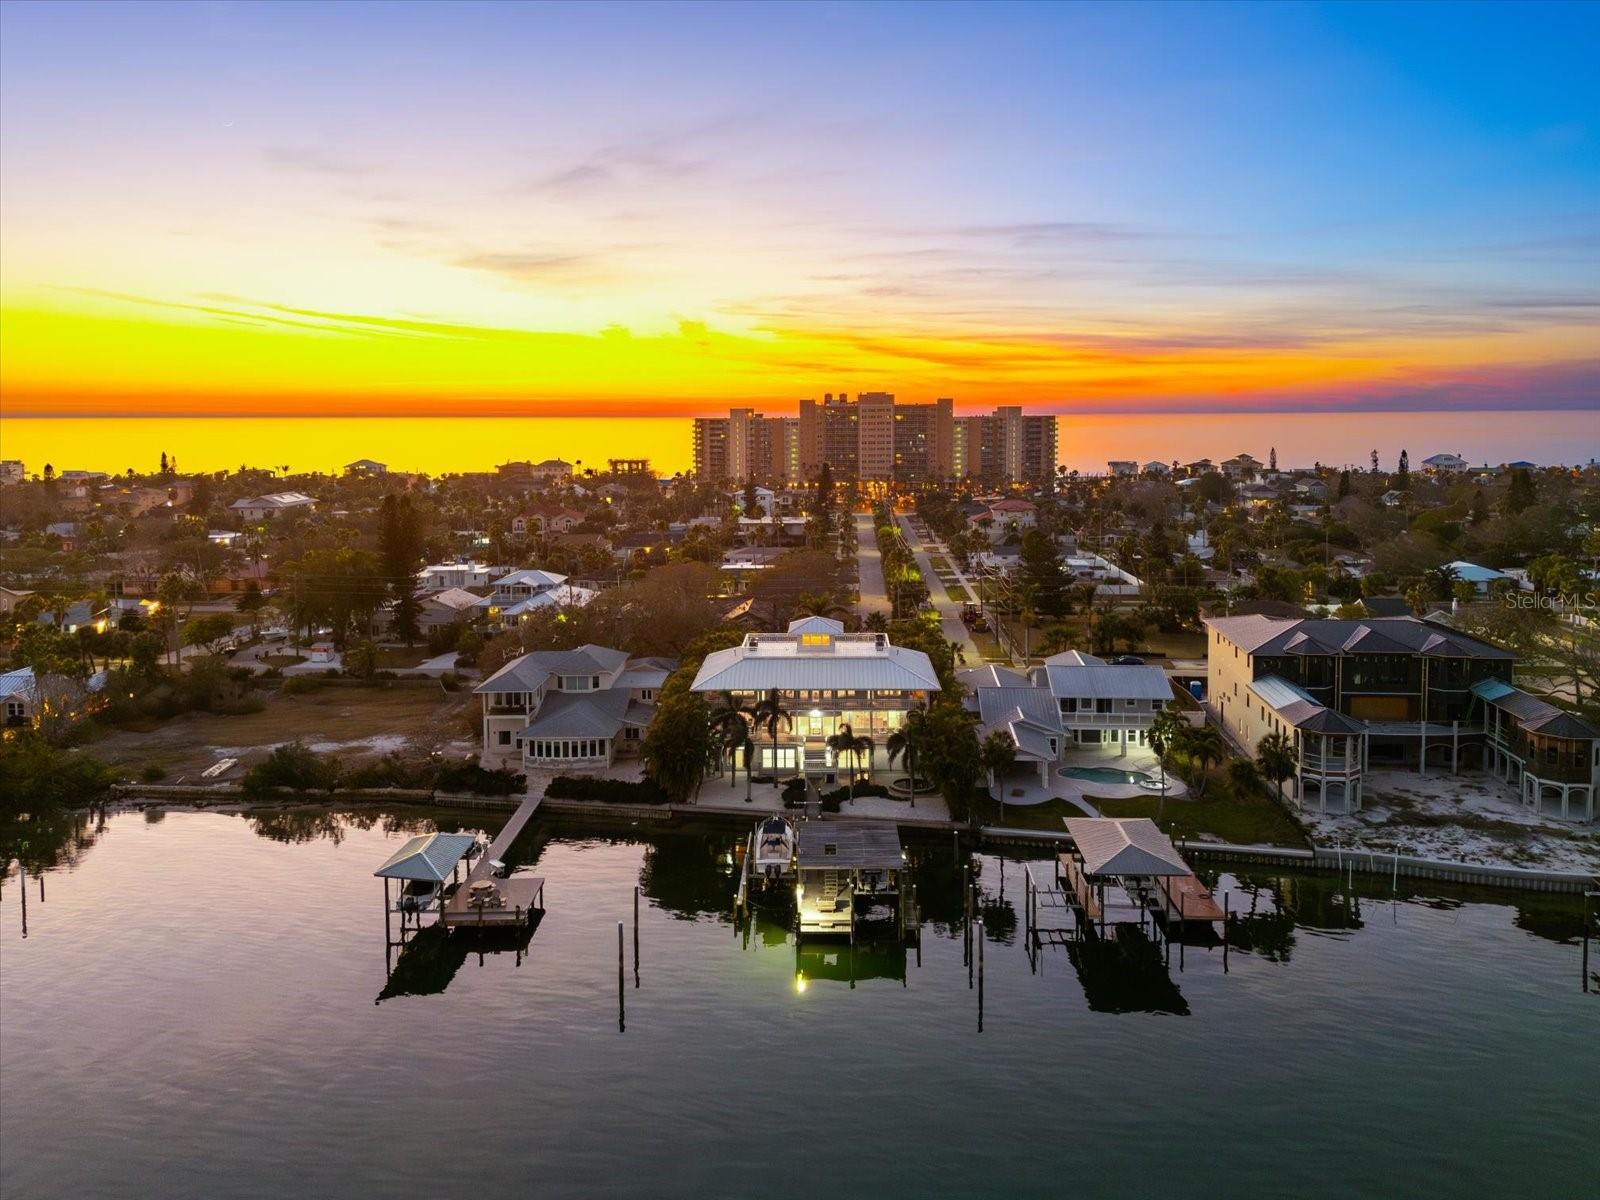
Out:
{"x": 292, "y": 209}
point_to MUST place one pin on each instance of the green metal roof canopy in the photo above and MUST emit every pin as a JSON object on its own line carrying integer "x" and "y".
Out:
{"x": 429, "y": 858}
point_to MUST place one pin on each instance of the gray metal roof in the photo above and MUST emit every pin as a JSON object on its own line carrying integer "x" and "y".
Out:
{"x": 1105, "y": 682}
{"x": 1300, "y": 708}
{"x": 1124, "y": 846}
{"x": 529, "y": 673}
{"x": 579, "y": 714}
{"x": 1372, "y": 635}
{"x": 1003, "y": 705}
{"x": 990, "y": 675}
{"x": 429, "y": 858}
{"x": 1534, "y": 713}
{"x": 849, "y": 845}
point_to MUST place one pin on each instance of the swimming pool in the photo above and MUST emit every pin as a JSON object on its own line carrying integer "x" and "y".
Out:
{"x": 1110, "y": 775}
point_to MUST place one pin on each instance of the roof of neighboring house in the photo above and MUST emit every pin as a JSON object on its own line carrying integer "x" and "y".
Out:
{"x": 458, "y": 599}
{"x": 989, "y": 676}
{"x": 364, "y": 462}
{"x": 530, "y": 578}
{"x": 1298, "y": 707}
{"x": 274, "y": 500}
{"x": 567, "y": 595}
{"x": 1534, "y": 713}
{"x": 849, "y": 845}
{"x": 529, "y": 673}
{"x": 1013, "y": 505}
{"x": 646, "y": 672}
{"x": 429, "y": 858}
{"x": 1371, "y": 635}
{"x": 1105, "y": 681}
{"x": 1386, "y": 606}
{"x": 1002, "y": 705}
{"x": 1473, "y": 573}
{"x": 17, "y": 683}
{"x": 1438, "y": 459}
{"x": 579, "y": 714}
{"x": 1124, "y": 846}
{"x": 1074, "y": 658}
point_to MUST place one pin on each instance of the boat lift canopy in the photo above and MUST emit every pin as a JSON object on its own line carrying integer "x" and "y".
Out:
{"x": 429, "y": 858}
{"x": 1111, "y": 846}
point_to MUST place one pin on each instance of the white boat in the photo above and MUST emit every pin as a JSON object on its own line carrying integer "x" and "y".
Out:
{"x": 774, "y": 850}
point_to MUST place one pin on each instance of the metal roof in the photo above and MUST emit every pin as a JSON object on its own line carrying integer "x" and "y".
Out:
{"x": 989, "y": 675}
{"x": 429, "y": 858}
{"x": 1003, "y": 705}
{"x": 895, "y": 668}
{"x": 1300, "y": 708}
{"x": 815, "y": 625}
{"x": 1106, "y": 681}
{"x": 849, "y": 845}
{"x": 1124, "y": 846}
{"x": 1534, "y": 713}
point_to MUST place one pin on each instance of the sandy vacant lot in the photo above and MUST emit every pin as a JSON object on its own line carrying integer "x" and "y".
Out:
{"x": 355, "y": 723}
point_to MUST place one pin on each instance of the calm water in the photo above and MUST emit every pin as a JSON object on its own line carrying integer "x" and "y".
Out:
{"x": 1087, "y": 441}
{"x": 193, "y": 1014}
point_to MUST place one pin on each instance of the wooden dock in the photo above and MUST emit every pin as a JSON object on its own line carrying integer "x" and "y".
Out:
{"x": 520, "y": 896}
{"x": 1185, "y": 898}
{"x": 508, "y": 834}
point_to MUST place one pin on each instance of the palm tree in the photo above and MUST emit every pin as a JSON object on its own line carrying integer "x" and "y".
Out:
{"x": 727, "y": 713}
{"x": 843, "y": 743}
{"x": 907, "y": 740}
{"x": 1165, "y": 730}
{"x": 863, "y": 748}
{"x": 1205, "y": 747}
{"x": 1275, "y": 757}
{"x": 735, "y": 737}
{"x": 767, "y": 714}
{"x": 997, "y": 753}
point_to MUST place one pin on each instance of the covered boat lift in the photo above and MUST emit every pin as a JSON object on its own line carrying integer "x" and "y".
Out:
{"x": 1124, "y": 869}
{"x": 839, "y": 864}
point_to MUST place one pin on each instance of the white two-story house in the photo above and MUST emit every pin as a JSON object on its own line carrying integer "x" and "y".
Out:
{"x": 556, "y": 708}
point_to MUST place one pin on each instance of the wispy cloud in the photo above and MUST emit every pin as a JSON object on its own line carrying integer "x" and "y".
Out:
{"x": 314, "y": 161}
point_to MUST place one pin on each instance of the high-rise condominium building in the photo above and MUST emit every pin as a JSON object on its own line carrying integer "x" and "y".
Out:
{"x": 875, "y": 438}
{"x": 1005, "y": 446}
{"x": 745, "y": 445}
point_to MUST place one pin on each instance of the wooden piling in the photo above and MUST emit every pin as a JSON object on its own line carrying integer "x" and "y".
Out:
{"x": 636, "y": 936}
{"x": 621, "y": 992}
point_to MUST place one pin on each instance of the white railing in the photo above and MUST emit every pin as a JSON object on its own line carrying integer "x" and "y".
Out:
{"x": 1112, "y": 720}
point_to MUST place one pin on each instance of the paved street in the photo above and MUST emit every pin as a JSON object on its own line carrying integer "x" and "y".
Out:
{"x": 948, "y": 607}
{"x": 874, "y": 592}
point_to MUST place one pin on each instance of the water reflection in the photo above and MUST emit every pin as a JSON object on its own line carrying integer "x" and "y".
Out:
{"x": 429, "y": 958}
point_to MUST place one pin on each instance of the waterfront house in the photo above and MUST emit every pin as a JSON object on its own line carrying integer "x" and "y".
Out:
{"x": 1101, "y": 703}
{"x": 1122, "y": 467}
{"x": 273, "y": 506}
{"x": 1436, "y": 464}
{"x": 1011, "y": 703}
{"x": 1400, "y": 690}
{"x": 823, "y": 678}
{"x": 559, "y": 708}
{"x": 365, "y": 468}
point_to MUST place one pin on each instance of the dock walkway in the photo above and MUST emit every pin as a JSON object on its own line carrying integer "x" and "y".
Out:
{"x": 518, "y": 896}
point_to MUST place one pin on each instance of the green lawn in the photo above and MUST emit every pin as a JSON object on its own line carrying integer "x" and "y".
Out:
{"x": 1256, "y": 820}
{"x": 390, "y": 657}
